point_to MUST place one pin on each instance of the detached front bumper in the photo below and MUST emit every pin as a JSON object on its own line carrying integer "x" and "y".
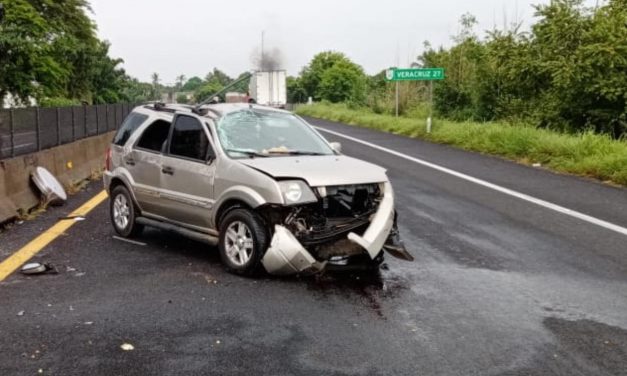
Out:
{"x": 287, "y": 256}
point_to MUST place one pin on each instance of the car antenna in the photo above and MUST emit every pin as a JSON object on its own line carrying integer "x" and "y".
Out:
{"x": 198, "y": 110}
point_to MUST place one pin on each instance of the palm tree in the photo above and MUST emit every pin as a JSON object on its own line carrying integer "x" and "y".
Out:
{"x": 180, "y": 80}
{"x": 156, "y": 87}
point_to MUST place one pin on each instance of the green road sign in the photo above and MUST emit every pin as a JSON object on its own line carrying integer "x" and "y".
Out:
{"x": 414, "y": 74}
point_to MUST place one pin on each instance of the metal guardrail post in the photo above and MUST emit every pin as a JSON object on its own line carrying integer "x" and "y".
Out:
{"x": 38, "y": 127}
{"x": 58, "y": 126}
{"x": 97, "y": 121}
{"x": 12, "y": 131}
{"x": 106, "y": 117}
{"x": 73, "y": 125}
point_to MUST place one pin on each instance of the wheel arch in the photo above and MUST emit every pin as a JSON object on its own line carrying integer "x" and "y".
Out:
{"x": 120, "y": 181}
{"x": 227, "y": 206}
{"x": 238, "y": 196}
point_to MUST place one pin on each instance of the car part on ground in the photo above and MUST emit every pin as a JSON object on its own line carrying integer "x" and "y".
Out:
{"x": 287, "y": 256}
{"x": 37, "y": 268}
{"x": 51, "y": 190}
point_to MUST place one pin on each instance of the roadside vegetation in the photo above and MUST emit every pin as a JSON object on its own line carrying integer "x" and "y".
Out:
{"x": 567, "y": 73}
{"x": 588, "y": 154}
{"x": 555, "y": 94}
{"x": 50, "y": 54}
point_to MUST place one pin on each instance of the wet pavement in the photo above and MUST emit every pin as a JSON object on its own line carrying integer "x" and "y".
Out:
{"x": 499, "y": 287}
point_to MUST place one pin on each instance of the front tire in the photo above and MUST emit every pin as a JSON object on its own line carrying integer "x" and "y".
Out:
{"x": 243, "y": 241}
{"x": 123, "y": 213}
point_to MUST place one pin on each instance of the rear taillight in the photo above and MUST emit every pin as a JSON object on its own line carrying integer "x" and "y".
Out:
{"x": 108, "y": 159}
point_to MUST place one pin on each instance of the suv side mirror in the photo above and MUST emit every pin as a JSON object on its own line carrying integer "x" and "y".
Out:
{"x": 211, "y": 155}
{"x": 336, "y": 146}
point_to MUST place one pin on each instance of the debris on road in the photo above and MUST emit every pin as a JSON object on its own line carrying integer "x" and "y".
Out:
{"x": 128, "y": 240}
{"x": 74, "y": 217}
{"x": 33, "y": 268}
{"x": 20, "y": 313}
{"x": 88, "y": 322}
{"x": 52, "y": 191}
{"x": 37, "y": 268}
{"x": 127, "y": 347}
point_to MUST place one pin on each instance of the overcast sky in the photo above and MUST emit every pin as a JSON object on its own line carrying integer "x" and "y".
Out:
{"x": 191, "y": 37}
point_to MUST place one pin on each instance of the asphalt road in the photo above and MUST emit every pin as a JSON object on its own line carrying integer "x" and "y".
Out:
{"x": 500, "y": 286}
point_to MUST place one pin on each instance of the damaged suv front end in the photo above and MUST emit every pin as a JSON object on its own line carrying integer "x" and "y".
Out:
{"x": 347, "y": 225}
{"x": 335, "y": 211}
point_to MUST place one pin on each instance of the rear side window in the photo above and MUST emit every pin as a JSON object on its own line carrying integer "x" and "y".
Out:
{"x": 189, "y": 139}
{"x": 130, "y": 125}
{"x": 154, "y": 136}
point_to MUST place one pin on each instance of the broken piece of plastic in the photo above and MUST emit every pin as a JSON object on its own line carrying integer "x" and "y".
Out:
{"x": 127, "y": 347}
{"x": 33, "y": 268}
{"x": 37, "y": 268}
{"x": 49, "y": 186}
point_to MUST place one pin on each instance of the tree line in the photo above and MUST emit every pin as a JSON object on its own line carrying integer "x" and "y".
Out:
{"x": 49, "y": 51}
{"x": 568, "y": 72}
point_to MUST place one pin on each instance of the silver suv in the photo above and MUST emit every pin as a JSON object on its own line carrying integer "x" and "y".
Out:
{"x": 260, "y": 183}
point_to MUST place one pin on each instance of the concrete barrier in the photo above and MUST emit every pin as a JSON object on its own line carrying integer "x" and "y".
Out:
{"x": 69, "y": 163}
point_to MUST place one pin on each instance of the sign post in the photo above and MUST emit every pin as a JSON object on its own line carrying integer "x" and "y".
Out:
{"x": 416, "y": 74}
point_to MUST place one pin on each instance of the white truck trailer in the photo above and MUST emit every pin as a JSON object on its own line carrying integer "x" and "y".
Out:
{"x": 268, "y": 88}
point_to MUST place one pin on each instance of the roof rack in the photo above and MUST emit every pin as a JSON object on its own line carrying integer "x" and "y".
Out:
{"x": 160, "y": 106}
{"x": 203, "y": 111}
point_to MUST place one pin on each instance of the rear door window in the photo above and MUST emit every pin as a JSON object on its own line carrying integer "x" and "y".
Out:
{"x": 189, "y": 139}
{"x": 154, "y": 136}
{"x": 130, "y": 125}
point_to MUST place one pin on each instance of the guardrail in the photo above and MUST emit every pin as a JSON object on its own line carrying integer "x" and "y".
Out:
{"x": 28, "y": 130}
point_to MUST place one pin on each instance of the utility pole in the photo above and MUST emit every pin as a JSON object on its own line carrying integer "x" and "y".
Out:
{"x": 396, "y": 98}
{"x": 398, "y": 58}
{"x": 262, "y": 63}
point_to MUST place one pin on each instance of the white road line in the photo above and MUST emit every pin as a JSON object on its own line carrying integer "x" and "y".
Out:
{"x": 498, "y": 188}
{"x": 128, "y": 240}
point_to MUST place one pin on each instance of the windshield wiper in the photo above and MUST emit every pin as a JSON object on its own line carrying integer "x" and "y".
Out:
{"x": 250, "y": 153}
{"x": 296, "y": 152}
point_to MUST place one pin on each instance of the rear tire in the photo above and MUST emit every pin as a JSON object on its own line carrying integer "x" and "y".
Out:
{"x": 123, "y": 213}
{"x": 243, "y": 241}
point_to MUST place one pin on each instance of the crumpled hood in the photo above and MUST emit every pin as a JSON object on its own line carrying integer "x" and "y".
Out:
{"x": 318, "y": 170}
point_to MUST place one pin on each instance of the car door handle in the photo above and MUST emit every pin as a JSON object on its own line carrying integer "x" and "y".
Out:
{"x": 167, "y": 170}
{"x": 130, "y": 161}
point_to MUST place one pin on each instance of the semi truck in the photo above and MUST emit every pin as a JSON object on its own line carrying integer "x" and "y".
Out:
{"x": 268, "y": 88}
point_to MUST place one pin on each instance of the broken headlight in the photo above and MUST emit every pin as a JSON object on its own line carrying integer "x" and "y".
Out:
{"x": 296, "y": 192}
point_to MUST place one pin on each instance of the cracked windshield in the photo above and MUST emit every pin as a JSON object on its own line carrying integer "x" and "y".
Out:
{"x": 258, "y": 133}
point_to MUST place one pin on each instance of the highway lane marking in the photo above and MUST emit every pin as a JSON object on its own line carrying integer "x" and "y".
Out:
{"x": 17, "y": 259}
{"x": 128, "y": 240}
{"x": 498, "y": 188}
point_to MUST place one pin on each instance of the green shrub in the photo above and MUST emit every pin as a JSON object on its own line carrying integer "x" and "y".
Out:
{"x": 58, "y": 102}
{"x": 586, "y": 154}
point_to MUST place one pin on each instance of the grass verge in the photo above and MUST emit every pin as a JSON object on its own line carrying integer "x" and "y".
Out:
{"x": 585, "y": 154}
